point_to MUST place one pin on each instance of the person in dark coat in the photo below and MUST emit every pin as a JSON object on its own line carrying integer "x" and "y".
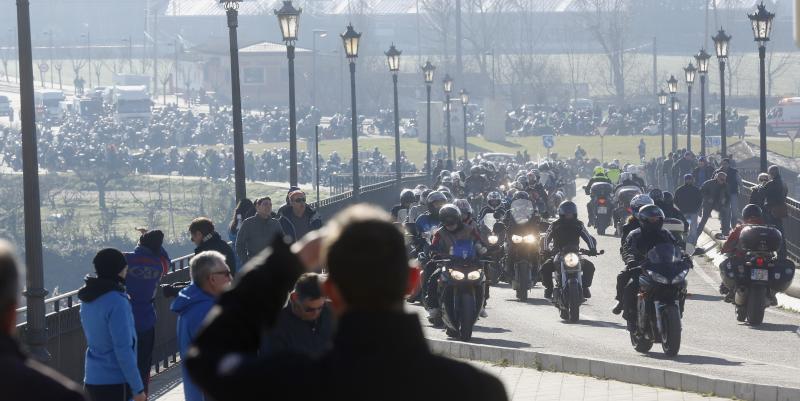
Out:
{"x": 704, "y": 171}
{"x": 379, "y": 351}
{"x": 297, "y": 218}
{"x": 775, "y": 209}
{"x": 689, "y": 200}
{"x": 666, "y": 172}
{"x": 23, "y": 378}
{"x": 726, "y": 166}
{"x": 757, "y": 192}
{"x": 715, "y": 197}
{"x": 205, "y": 238}
{"x": 683, "y": 166}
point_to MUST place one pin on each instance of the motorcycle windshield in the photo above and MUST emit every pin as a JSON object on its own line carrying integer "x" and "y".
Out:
{"x": 521, "y": 210}
{"x": 664, "y": 259}
{"x": 489, "y": 221}
{"x": 463, "y": 249}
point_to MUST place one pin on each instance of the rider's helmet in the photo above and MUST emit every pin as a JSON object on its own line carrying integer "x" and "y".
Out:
{"x": 751, "y": 211}
{"x": 613, "y": 166}
{"x": 640, "y": 201}
{"x": 407, "y": 196}
{"x": 521, "y": 195}
{"x": 668, "y": 198}
{"x": 657, "y": 195}
{"x": 494, "y": 199}
{"x": 523, "y": 180}
{"x": 433, "y": 198}
{"x": 456, "y": 178}
{"x": 444, "y": 173}
{"x": 423, "y": 198}
{"x": 490, "y": 167}
{"x": 651, "y": 218}
{"x": 464, "y": 207}
{"x": 447, "y": 194}
{"x": 599, "y": 170}
{"x": 450, "y": 216}
{"x": 626, "y": 176}
{"x": 568, "y": 210}
{"x": 474, "y": 171}
{"x": 447, "y": 181}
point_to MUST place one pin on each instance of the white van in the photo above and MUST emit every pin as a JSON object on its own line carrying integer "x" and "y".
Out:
{"x": 784, "y": 117}
{"x": 5, "y": 106}
{"x": 48, "y": 103}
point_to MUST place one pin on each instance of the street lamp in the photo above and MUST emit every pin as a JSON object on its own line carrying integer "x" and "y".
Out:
{"x": 761, "y": 19}
{"x": 350, "y": 40}
{"x": 690, "y": 72}
{"x": 447, "y": 82}
{"x": 288, "y": 19}
{"x": 662, "y": 101}
{"x": 393, "y": 61}
{"x": 672, "y": 86}
{"x": 428, "y": 70}
{"x": 464, "y": 101}
{"x": 702, "y": 67}
{"x": 232, "y": 11}
{"x": 721, "y": 42}
{"x": 321, "y": 33}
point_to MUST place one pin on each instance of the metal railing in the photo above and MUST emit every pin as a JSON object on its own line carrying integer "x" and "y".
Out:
{"x": 791, "y": 224}
{"x": 65, "y": 339}
{"x": 341, "y": 183}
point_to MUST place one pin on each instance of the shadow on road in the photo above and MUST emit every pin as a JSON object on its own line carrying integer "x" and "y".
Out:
{"x": 600, "y": 323}
{"x": 532, "y": 301}
{"x": 483, "y": 329}
{"x": 703, "y": 297}
{"x": 497, "y": 342}
{"x": 775, "y": 327}
{"x": 693, "y": 359}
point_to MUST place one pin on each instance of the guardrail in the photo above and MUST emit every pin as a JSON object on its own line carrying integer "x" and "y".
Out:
{"x": 791, "y": 224}
{"x": 65, "y": 339}
{"x": 341, "y": 183}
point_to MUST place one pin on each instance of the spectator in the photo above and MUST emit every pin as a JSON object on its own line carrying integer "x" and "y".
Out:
{"x": 666, "y": 170}
{"x": 683, "y": 166}
{"x": 733, "y": 189}
{"x": 23, "y": 378}
{"x": 111, "y": 373}
{"x": 757, "y": 194}
{"x": 297, "y": 218}
{"x": 379, "y": 351}
{"x": 146, "y": 264}
{"x": 257, "y": 232}
{"x": 689, "y": 200}
{"x": 642, "y": 149}
{"x": 715, "y": 197}
{"x": 775, "y": 192}
{"x": 210, "y": 277}
{"x": 704, "y": 170}
{"x": 244, "y": 210}
{"x": 305, "y": 325}
{"x": 202, "y": 233}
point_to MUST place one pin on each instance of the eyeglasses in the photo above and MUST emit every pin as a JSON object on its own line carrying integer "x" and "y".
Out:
{"x": 299, "y": 200}
{"x": 224, "y": 273}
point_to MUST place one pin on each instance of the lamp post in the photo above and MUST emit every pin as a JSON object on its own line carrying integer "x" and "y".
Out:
{"x": 448, "y": 87}
{"x": 702, "y": 67}
{"x": 321, "y": 33}
{"x": 761, "y": 20}
{"x": 428, "y": 70}
{"x": 288, "y": 19}
{"x": 672, "y": 85}
{"x": 662, "y": 101}
{"x": 690, "y": 72}
{"x": 393, "y": 61}
{"x": 232, "y": 10}
{"x": 721, "y": 42}
{"x": 36, "y": 330}
{"x": 464, "y": 101}
{"x": 351, "y": 39}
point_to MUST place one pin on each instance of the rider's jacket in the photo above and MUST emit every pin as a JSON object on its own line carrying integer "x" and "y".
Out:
{"x": 488, "y": 209}
{"x": 594, "y": 180}
{"x": 459, "y": 244}
{"x": 568, "y": 233}
{"x": 539, "y": 197}
{"x": 475, "y": 184}
{"x": 427, "y": 223}
{"x": 638, "y": 243}
{"x": 731, "y": 245}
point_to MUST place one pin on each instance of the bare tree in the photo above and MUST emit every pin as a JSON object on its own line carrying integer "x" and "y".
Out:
{"x": 165, "y": 74}
{"x": 100, "y": 170}
{"x": 77, "y": 66}
{"x": 5, "y": 58}
{"x": 438, "y": 14}
{"x": 608, "y": 21}
{"x": 59, "y": 66}
{"x": 482, "y": 24}
{"x": 776, "y": 65}
{"x": 98, "y": 66}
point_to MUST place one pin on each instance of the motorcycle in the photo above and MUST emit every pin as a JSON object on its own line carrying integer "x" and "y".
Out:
{"x": 475, "y": 200}
{"x": 568, "y": 289}
{"x": 660, "y": 300}
{"x": 461, "y": 296}
{"x": 491, "y": 232}
{"x": 760, "y": 273}
{"x": 522, "y": 247}
{"x": 622, "y": 200}
{"x": 601, "y": 198}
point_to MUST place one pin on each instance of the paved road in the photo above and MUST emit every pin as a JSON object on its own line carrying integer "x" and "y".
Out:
{"x": 714, "y": 343}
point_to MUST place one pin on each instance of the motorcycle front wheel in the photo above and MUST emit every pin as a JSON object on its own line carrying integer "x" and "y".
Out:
{"x": 574, "y": 303}
{"x": 523, "y": 275}
{"x": 467, "y": 315}
{"x": 671, "y": 337}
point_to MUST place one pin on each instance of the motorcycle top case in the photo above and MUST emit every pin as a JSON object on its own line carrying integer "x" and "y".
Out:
{"x": 625, "y": 194}
{"x": 760, "y": 239}
{"x": 601, "y": 188}
{"x": 780, "y": 276}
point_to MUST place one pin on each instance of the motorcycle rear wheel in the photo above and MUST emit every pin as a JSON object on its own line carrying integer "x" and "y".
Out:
{"x": 671, "y": 338}
{"x": 756, "y": 299}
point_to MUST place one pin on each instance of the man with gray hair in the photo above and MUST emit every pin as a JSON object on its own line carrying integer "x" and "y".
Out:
{"x": 210, "y": 278}
{"x": 23, "y": 378}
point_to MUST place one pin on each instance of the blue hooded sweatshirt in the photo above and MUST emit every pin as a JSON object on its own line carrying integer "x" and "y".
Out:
{"x": 145, "y": 269}
{"x": 192, "y": 306}
{"x": 110, "y": 335}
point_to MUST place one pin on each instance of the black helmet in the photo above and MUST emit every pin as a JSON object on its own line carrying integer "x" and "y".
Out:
{"x": 656, "y": 194}
{"x": 567, "y": 208}
{"x": 494, "y": 199}
{"x": 651, "y": 218}
{"x": 474, "y": 170}
{"x": 407, "y": 196}
{"x": 449, "y": 215}
{"x": 668, "y": 198}
{"x": 751, "y": 211}
{"x": 520, "y": 195}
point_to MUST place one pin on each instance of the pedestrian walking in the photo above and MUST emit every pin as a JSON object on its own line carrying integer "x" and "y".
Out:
{"x": 704, "y": 170}
{"x": 23, "y": 378}
{"x": 666, "y": 173}
{"x": 642, "y": 149}
{"x": 210, "y": 278}
{"x": 202, "y": 234}
{"x": 258, "y": 231}
{"x": 244, "y": 210}
{"x": 757, "y": 192}
{"x": 775, "y": 208}
{"x": 297, "y": 218}
{"x": 110, "y": 372}
{"x": 715, "y": 197}
{"x": 689, "y": 200}
{"x": 378, "y": 351}
{"x": 684, "y": 165}
{"x": 733, "y": 181}
{"x": 147, "y": 263}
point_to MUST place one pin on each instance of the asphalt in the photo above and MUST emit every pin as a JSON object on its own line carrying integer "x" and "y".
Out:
{"x": 713, "y": 342}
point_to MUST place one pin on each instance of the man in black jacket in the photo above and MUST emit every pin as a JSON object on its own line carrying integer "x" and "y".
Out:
{"x": 774, "y": 192}
{"x": 205, "y": 238}
{"x": 715, "y": 197}
{"x": 732, "y": 181}
{"x": 689, "y": 200}
{"x": 379, "y": 352}
{"x": 24, "y": 379}
{"x": 684, "y": 166}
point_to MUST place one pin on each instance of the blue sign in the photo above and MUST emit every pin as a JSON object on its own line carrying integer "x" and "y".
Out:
{"x": 548, "y": 141}
{"x": 714, "y": 141}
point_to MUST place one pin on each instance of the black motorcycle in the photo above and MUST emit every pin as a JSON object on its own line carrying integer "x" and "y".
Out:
{"x": 461, "y": 294}
{"x": 568, "y": 289}
{"x": 660, "y": 300}
{"x": 522, "y": 247}
{"x": 492, "y": 233}
{"x": 601, "y": 205}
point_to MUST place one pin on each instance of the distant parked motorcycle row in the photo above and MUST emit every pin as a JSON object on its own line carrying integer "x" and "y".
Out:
{"x": 503, "y": 222}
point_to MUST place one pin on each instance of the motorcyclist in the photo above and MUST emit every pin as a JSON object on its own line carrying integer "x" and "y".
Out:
{"x": 599, "y": 176}
{"x": 613, "y": 172}
{"x": 428, "y": 221}
{"x": 626, "y": 180}
{"x": 400, "y": 211}
{"x": 580, "y": 153}
{"x": 567, "y": 231}
{"x": 670, "y": 211}
{"x": 466, "y": 213}
{"x": 457, "y": 189}
{"x": 638, "y": 202}
{"x": 418, "y": 209}
{"x": 538, "y": 195}
{"x": 494, "y": 203}
{"x": 475, "y": 183}
{"x": 751, "y": 215}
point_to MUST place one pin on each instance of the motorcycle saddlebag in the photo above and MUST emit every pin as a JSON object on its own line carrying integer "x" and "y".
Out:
{"x": 781, "y": 275}
{"x": 760, "y": 239}
{"x": 601, "y": 188}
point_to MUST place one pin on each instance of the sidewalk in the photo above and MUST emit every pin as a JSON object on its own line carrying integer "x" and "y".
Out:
{"x": 521, "y": 384}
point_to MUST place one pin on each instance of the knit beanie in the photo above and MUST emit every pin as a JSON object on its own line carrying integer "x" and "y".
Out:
{"x": 108, "y": 263}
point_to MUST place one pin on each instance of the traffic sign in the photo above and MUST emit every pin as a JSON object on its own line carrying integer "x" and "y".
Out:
{"x": 548, "y": 141}
{"x": 714, "y": 141}
{"x": 792, "y": 134}
{"x": 43, "y": 67}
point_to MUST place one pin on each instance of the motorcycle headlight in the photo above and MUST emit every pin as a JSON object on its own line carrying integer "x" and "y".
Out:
{"x": 456, "y": 275}
{"x": 492, "y": 239}
{"x": 516, "y": 239}
{"x": 530, "y": 239}
{"x": 680, "y": 277}
{"x": 572, "y": 259}
{"x": 474, "y": 275}
{"x": 657, "y": 277}
{"x": 502, "y": 188}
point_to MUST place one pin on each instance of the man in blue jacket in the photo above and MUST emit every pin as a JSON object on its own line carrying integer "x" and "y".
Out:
{"x": 146, "y": 265}
{"x": 107, "y": 320}
{"x": 210, "y": 277}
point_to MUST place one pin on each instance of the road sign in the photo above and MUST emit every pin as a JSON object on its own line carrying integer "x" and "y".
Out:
{"x": 548, "y": 141}
{"x": 43, "y": 67}
{"x": 714, "y": 141}
{"x": 792, "y": 134}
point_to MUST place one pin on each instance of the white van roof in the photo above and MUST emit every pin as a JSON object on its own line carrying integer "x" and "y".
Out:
{"x": 789, "y": 100}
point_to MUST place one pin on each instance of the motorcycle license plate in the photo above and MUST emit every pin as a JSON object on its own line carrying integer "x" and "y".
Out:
{"x": 602, "y": 209}
{"x": 759, "y": 275}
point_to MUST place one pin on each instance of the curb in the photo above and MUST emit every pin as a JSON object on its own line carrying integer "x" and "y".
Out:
{"x": 603, "y": 369}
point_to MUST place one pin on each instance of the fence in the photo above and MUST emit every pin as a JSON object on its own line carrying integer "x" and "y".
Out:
{"x": 65, "y": 339}
{"x": 341, "y": 183}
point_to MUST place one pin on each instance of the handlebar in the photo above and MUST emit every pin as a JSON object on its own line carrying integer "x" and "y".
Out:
{"x": 586, "y": 252}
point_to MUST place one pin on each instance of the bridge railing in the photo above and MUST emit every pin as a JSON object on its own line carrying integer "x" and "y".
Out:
{"x": 791, "y": 224}
{"x": 65, "y": 339}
